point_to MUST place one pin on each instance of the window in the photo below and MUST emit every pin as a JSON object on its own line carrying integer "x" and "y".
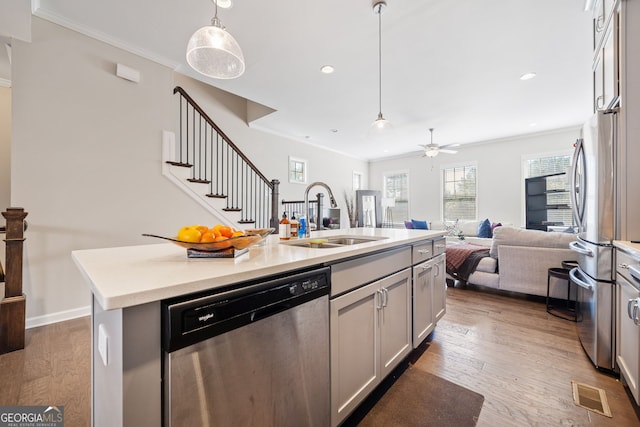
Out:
{"x": 459, "y": 191}
{"x": 357, "y": 181}
{"x": 297, "y": 171}
{"x": 396, "y": 192}
{"x": 548, "y": 164}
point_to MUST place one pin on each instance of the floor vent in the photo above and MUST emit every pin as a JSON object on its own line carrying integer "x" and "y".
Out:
{"x": 591, "y": 398}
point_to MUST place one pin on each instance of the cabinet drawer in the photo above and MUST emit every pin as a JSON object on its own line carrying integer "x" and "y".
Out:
{"x": 628, "y": 267}
{"x": 439, "y": 246}
{"x": 422, "y": 251}
{"x": 351, "y": 274}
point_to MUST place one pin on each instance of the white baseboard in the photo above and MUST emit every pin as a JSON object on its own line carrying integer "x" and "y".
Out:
{"x": 61, "y": 316}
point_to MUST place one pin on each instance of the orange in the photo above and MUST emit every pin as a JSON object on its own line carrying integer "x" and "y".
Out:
{"x": 207, "y": 237}
{"x": 219, "y": 239}
{"x": 226, "y": 231}
{"x": 237, "y": 234}
{"x": 202, "y": 228}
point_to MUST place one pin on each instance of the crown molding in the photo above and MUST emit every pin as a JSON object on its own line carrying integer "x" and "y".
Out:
{"x": 105, "y": 38}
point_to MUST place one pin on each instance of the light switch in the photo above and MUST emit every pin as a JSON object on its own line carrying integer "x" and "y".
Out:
{"x": 103, "y": 341}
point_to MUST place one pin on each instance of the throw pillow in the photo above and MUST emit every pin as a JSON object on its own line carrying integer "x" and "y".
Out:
{"x": 494, "y": 225}
{"x": 484, "y": 229}
{"x": 419, "y": 225}
{"x": 408, "y": 225}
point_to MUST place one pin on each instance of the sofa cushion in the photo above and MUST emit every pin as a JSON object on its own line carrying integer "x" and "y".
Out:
{"x": 419, "y": 225}
{"x": 468, "y": 227}
{"x": 512, "y": 236}
{"x": 484, "y": 229}
{"x": 408, "y": 225}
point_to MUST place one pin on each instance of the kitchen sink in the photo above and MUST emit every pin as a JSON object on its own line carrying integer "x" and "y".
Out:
{"x": 330, "y": 242}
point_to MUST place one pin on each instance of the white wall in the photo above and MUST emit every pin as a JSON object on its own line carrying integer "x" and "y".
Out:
{"x": 499, "y": 174}
{"x": 87, "y": 165}
{"x": 5, "y": 147}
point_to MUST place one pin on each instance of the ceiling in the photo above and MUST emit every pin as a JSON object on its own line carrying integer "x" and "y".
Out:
{"x": 449, "y": 65}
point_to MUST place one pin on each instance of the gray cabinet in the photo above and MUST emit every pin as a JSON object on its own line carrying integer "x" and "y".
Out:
{"x": 429, "y": 297}
{"x": 606, "y": 42}
{"x": 370, "y": 333}
{"x": 628, "y": 322}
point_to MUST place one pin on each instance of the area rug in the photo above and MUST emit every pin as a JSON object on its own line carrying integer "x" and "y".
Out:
{"x": 591, "y": 398}
{"x": 418, "y": 398}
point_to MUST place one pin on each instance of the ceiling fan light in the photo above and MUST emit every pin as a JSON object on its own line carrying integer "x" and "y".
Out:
{"x": 381, "y": 124}
{"x": 214, "y": 52}
{"x": 431, "y": 153}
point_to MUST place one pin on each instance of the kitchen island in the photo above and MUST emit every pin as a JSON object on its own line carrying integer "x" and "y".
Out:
{"x": 129, "y": 284}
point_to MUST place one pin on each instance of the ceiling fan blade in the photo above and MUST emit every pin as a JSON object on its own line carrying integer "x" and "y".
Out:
{"x": 450, "y": 146}
{"x": 448, "y": 151}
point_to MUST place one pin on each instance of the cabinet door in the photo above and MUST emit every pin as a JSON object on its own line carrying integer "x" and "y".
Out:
{"x": 354, "y": 336}
{"x": 395, "y": 320}
{"x": 629, "y": 335}
{"x": 439, "y": 288}
{"x": 423, "y": 316}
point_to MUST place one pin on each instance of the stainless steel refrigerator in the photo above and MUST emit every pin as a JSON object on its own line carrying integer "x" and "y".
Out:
{"x": 593, "y": 199}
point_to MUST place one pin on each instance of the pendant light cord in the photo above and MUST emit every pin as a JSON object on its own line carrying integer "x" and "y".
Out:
{"x": 380, "y": 58}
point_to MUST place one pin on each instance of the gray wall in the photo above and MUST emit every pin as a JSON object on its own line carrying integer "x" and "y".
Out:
{"x": 86, "y": 158}
{"x": 500, "y": 178}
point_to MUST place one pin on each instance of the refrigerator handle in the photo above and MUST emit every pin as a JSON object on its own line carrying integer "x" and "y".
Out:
{"x": 579, "y": 282}
{"x": 577, "y": 247}
{"x": 577, "y": 192}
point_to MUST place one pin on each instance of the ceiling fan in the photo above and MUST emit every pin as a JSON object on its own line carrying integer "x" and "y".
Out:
{"x": 432, "y": 150}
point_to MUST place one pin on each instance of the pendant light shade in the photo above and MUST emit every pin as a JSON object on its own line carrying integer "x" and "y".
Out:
{"x": 214, "y": 52}
{"x": 380, "y": 125}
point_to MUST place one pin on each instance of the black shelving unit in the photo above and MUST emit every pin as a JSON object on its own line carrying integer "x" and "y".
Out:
{"x": 541, "y": 193}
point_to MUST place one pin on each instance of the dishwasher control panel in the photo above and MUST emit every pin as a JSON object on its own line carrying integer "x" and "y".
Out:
{"x": 190, "y": 319}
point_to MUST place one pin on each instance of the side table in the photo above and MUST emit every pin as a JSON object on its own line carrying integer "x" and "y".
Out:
{"x": 566, "y": 311}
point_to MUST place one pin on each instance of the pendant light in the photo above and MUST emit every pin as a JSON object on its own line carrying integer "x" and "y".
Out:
{"x": 214, "y": 52}
{"x": 380, "y": 124}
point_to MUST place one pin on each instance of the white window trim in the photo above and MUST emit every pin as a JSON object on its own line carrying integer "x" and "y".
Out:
{"x": 304, "y": 172}
{"x": 455, "y": 165}
{"x": 353, "y": 174}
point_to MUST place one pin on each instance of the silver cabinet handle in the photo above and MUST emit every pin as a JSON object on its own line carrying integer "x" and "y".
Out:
{"x": 440, "y": 246}
{"x": 385, "y": 293}
{"x": 629, "y": 308}
{"x": 437, "y": 273}
{"x": 427, "y": 267}
{"x": 379, "y": 298}
{"x": 424, "y": 251}
{"x": 635, "y": 311}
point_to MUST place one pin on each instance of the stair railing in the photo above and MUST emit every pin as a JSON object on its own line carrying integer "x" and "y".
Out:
{"x": 215, "y": 160}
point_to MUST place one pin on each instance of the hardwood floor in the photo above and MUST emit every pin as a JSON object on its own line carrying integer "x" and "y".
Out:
{"x": 508, "y": 349}
{"x": 521, "y": 359}
{"x": 54, "y": 368}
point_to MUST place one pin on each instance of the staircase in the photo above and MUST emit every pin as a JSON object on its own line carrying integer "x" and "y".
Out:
{"x": 208, "y": 166}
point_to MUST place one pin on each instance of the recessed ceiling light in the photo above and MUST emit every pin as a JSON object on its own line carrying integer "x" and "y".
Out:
{"x": 327, "y": 69}
{"x": 225, "y": 4}
{"x": 334, "y": 130}
{"x": 527, "y": 76}
{"x": 533, "y": 124}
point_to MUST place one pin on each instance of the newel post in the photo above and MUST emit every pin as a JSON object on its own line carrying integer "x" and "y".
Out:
{"x": 13, "y": 305}
{"x": 275, "y": 196}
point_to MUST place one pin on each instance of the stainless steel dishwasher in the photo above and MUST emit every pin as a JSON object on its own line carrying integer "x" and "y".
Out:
{"x": 255, "y": 355}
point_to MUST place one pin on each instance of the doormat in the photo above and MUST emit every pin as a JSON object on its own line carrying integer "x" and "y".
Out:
{"x": 418, "y": 398}
{"x": 591, "y": 398}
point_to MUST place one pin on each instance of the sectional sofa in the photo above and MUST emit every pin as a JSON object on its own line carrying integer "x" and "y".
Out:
{"x": 519, "y": 259}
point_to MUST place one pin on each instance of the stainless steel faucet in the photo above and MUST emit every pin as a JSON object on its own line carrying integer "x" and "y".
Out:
{"x": 332, "y": 200}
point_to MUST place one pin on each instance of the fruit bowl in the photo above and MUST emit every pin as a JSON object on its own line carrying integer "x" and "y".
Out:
{"x": 250, "y": 238}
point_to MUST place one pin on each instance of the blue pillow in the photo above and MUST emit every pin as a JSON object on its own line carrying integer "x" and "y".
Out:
{"x": 484, "y": 229}
{"x": 408, "y": 225}
{"x": 419, "y": 225}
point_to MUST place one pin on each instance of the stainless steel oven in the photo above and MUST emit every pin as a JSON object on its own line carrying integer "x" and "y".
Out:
{"x": 254, "y": 355}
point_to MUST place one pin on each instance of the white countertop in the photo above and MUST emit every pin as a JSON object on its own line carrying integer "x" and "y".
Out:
{"x": 133, "y": 275}
{"x": 632, "y": 249}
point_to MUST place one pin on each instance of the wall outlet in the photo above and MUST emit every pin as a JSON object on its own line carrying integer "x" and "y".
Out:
{"x": 103, "y": 344}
